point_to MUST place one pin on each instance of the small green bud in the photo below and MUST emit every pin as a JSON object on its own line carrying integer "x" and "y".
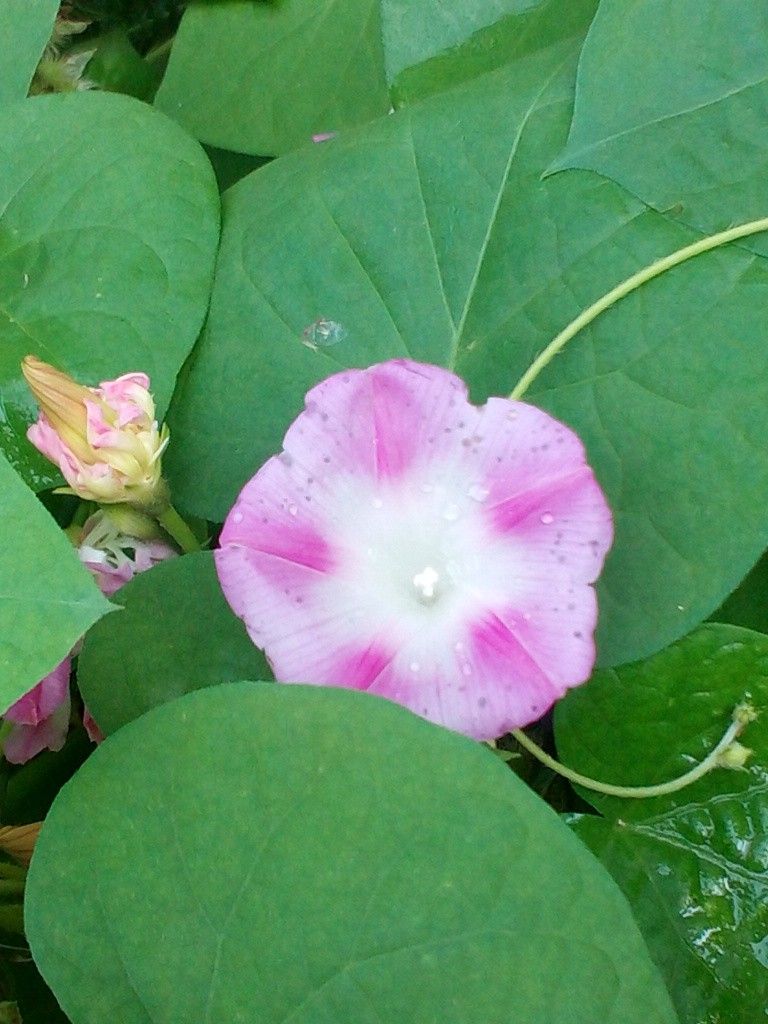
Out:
{"x": 734, "y": 756}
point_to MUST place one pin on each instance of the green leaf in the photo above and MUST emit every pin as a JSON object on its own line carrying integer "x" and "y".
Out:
{"x": 196, "y": 868}
{"x": 25, "y": 29}
{"x": 428, "y": 235}
{"x": 47, "y": 598}
{"x": 177, "y": 634}
{"x": 693, "y": 864}
{"x": 262, "y": 78}
{"x": 108, "y": 234}
{"x": 671, "y": 102}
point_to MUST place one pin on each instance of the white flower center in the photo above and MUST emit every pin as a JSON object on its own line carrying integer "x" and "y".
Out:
{"x": 426, "y": 585}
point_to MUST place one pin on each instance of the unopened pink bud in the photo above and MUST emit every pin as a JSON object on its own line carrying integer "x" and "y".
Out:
{"x": 105, "y": 440}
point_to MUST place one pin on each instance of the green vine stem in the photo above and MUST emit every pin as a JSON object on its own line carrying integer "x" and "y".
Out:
{"x": 175, "y": 527}
{"x": 743, "y": 714}
{"x": 585, "y": 318}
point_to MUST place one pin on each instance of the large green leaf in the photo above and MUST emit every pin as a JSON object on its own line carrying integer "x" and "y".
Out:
{"x": 25, "y": 28}
{"x": 672, "y": 102}
{"x": 693, "y": 864}
{"x": 108, "y": 232}
{"x": 176, "y": 634}
{"x": 262, "y": 853}
{"x": 428, "y": 235}
{"x": 47, "y": 599}
{"x": 262, "y": 78}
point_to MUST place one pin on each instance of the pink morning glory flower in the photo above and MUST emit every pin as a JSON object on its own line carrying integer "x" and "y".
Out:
{"x": 413, "y": 545}
{"x": 40, "y": 719}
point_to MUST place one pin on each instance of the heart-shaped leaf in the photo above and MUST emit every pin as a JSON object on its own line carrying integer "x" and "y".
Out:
{"x": 671, "y": 101}
{"x": 108, "y": 232}
{"x": 25, "y": 28}
{"x": 275, "y": 853}
{"x": 176, "y": 634}
{"x": 428, "y": 235}
{"x": 262, "y": 78}
{"x": 694, "y": 864}
{"x": 47, "y": 598}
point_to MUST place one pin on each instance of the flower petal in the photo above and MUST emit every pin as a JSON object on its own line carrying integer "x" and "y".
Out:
{"x": 23, "y": 742}
{"x": 42, "y": 700}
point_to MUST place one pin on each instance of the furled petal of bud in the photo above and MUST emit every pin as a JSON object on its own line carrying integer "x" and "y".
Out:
{"x": 105, "y": 440}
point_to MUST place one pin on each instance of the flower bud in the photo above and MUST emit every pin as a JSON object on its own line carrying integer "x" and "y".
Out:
{"x": 105, "y": 440}
{"x": 114, "y": 557}
{"x": 734, "y": 756}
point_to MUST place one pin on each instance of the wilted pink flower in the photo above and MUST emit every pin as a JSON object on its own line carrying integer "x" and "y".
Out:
{"x": 412, "y": 545}
{"x": 40, "y": 719}
{"x": 105, "y": 440}
{"x": 114, "y": 557}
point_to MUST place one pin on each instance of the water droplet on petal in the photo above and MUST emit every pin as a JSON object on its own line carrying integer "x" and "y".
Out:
{"x": 377, "y": 503}
{"x": 293, "y": 510}
{"x": 415, "y": 666}
{"x": 286, "y": 458}
{"x": 466, "y": 669}
{"x": 451, "y": 513}
{"x": 547, "y": 518}
{"x": 477, "y": 492}
{"x": 237, "y": 517}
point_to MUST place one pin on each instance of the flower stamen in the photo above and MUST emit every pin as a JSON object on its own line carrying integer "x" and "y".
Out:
{"x": 425, "y": 584}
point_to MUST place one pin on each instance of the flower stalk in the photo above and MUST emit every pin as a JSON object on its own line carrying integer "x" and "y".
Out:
{"x": 631, "y": 284}
{"x": 718, "y": 757}
{"x": 178, "y": 530}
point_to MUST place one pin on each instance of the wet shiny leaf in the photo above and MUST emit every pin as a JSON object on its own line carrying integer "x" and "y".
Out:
{"x": 694, "y": 864}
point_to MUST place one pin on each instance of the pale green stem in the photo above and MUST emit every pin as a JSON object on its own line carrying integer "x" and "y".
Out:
{"x": 742, "y": 715}
{"x": 631, "y": 284}
{"x": 174, "y": 525}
